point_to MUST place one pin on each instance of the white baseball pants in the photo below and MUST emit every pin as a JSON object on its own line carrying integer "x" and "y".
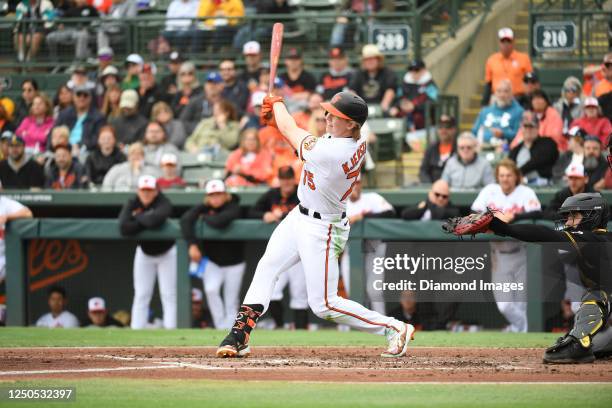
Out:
{"x": 508, "y": 268}
{"x": 294, "y": 276}
{"x": 317, "y": 244}
{"x": 223, "y": 310}
{"x": 146, "y": 269}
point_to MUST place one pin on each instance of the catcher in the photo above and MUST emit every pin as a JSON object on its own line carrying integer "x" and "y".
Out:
{"x": 582, "y": 238}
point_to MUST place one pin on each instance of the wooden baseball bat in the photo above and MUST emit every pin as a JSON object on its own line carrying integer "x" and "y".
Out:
{"x": 275, "y": 51}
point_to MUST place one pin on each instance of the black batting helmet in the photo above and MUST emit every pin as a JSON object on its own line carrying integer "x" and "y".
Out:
{"x": 592, "y": 206}
{"x": 348, "y": 106}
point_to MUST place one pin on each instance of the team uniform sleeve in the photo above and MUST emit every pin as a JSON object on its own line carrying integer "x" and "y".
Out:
{"x": 11, "y": 206}
{"x": 313, "y": 150}
{"x": 479, "y": 205}
{"x": 533, "y": 203}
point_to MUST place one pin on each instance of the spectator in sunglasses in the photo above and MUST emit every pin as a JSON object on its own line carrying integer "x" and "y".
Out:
{"x": 467, "y": 169}
{"x": 437, "y": 206}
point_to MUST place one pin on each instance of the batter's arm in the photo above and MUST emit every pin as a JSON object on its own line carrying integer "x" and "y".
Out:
{"x": 287, "y": 126}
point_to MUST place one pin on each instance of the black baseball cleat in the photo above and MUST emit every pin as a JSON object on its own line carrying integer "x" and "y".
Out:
{"x": 230, "y": 347}
{"x": 568, "y": 350}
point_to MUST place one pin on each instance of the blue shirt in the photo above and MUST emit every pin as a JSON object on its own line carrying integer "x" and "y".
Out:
{"x": 76, "y": 134}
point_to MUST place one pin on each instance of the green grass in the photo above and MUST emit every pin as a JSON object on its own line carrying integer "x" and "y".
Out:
{"x": 106, "y": 393}
{"x": 36, "y": 337}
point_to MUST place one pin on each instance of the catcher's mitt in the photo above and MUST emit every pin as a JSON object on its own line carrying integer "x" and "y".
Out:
{"x": 469, "y": 225}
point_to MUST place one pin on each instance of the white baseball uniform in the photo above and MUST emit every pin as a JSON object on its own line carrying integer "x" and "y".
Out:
{"x": 148, "y": 268}
{"x": 509, "y": 263}
{"x": 368, "y": 203}
{"x": 230, "y": 277}
{"x": 64, "y": 320}
{"x": 7, "y": 206}
{"x": 331, "y": 167}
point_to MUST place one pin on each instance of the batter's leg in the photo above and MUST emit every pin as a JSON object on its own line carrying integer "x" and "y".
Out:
{"x": 212, "y": 280}
{"x": 144, "y": 282}
{"x": 231, "y": 291}
{"x": 320, "y": 245}
{"x": 166, "y": 275}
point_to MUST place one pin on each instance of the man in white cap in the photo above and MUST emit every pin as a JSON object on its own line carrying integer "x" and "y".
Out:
{"x": 252, "y": 59}
{"x": 150, "y": 209}
{"x": 170, "y": 177}
{"x": 225, "y": 264}
{"x": 577, "y": 182}
{"x": 508, "y": 64}
{"x": 130, "y": 124}
{"x": 97, "y": 314}
{"x": 375, "y": 83}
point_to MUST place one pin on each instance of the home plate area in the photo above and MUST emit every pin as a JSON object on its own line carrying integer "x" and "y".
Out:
{"x": 317, "y": 364}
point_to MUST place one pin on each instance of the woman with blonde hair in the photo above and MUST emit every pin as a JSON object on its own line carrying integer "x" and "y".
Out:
{"x": 110, "y": 103}
{"x": 35, "y": 128}
{"x": 249, "y": 164}
{"x": 162, "y": 113}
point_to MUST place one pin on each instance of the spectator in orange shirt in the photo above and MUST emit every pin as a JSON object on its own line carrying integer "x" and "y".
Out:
{"x": 506, "y": 64}
{"x": 282, "y": 153}
{"x": 605, "y": 85}
{"x": 302, "y": 118}
{"x": 593, "y": 122}
{"x": 551, "y": 124}
{"x": 249, "y": 164}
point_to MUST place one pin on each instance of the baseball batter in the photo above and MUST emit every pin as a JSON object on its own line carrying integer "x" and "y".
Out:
{"x": 315, "y": 232}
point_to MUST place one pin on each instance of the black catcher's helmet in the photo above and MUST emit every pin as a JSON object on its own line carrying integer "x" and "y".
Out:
{"x": 592, "y": 206}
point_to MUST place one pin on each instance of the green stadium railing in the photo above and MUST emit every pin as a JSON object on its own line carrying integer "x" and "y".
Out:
{"x": 248, "y": 197}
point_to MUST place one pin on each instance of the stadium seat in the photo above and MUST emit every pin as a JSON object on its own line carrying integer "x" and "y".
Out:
{"x": 198, "y": 176}
{"x": 390, "y": 135}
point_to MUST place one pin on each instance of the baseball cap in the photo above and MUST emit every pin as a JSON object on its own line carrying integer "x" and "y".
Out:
{"x": 251, "y": 48}
{"x": 214, "y": 77}
{"x": 196, "y": 295}
{"x": 370, "y": 51}
{"x": 294, "y": 53}
{"x": 7, "y": 134}
{"x": 16, "y": 141}
{"x": 96, "y": 304}
{"x": 110, "y": 70}
{"x": 129, "y": 99}
{"x": 168, "y": 158}
{"x": 147, "y": 182}
{"x": 590, "y": 101}
{"x": 134, "y": 59}
{"x": 286, "y": 172}
{"x": 416, "y": 65}
{"x": 592, "y": 138}
{"x": 531, "y": 77}
{"x": 257, "y": 98}
{"x": 577, "y": 131}
{"x": 149, "y": 68}
{"x": 505, "y": 33}
{"x": 175, "y": 56}
{"x": 105, "y": 53}
{"x": 215, "y": 186}
{"x": 575, "y": 170}
{"x": 278, "y": 83}
{"x": 336, "y": 52}
{"x": 83, "y": 88}
{"x": 348, "y": 106}
{"x": 447, "y": 121}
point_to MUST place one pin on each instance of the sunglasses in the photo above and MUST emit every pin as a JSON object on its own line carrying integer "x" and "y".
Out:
{"x": 573, "y": 90}
{"x": 465, "y": 147}
{"x": 608, "y": 64}
{"x": 505, "y": 40}
{"x": 442, "y": 196}
{"x": 528, "y": 125}
{"x": 82, "y": 95}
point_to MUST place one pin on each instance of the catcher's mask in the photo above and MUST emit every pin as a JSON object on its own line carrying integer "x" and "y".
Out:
{"x": 592, "y": 206}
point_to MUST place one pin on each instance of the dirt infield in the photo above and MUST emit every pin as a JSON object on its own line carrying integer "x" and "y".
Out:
{"x": 346, "y": 364}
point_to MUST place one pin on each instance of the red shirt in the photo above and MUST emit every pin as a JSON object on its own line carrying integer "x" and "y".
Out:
{"x": 164, "y": 183}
